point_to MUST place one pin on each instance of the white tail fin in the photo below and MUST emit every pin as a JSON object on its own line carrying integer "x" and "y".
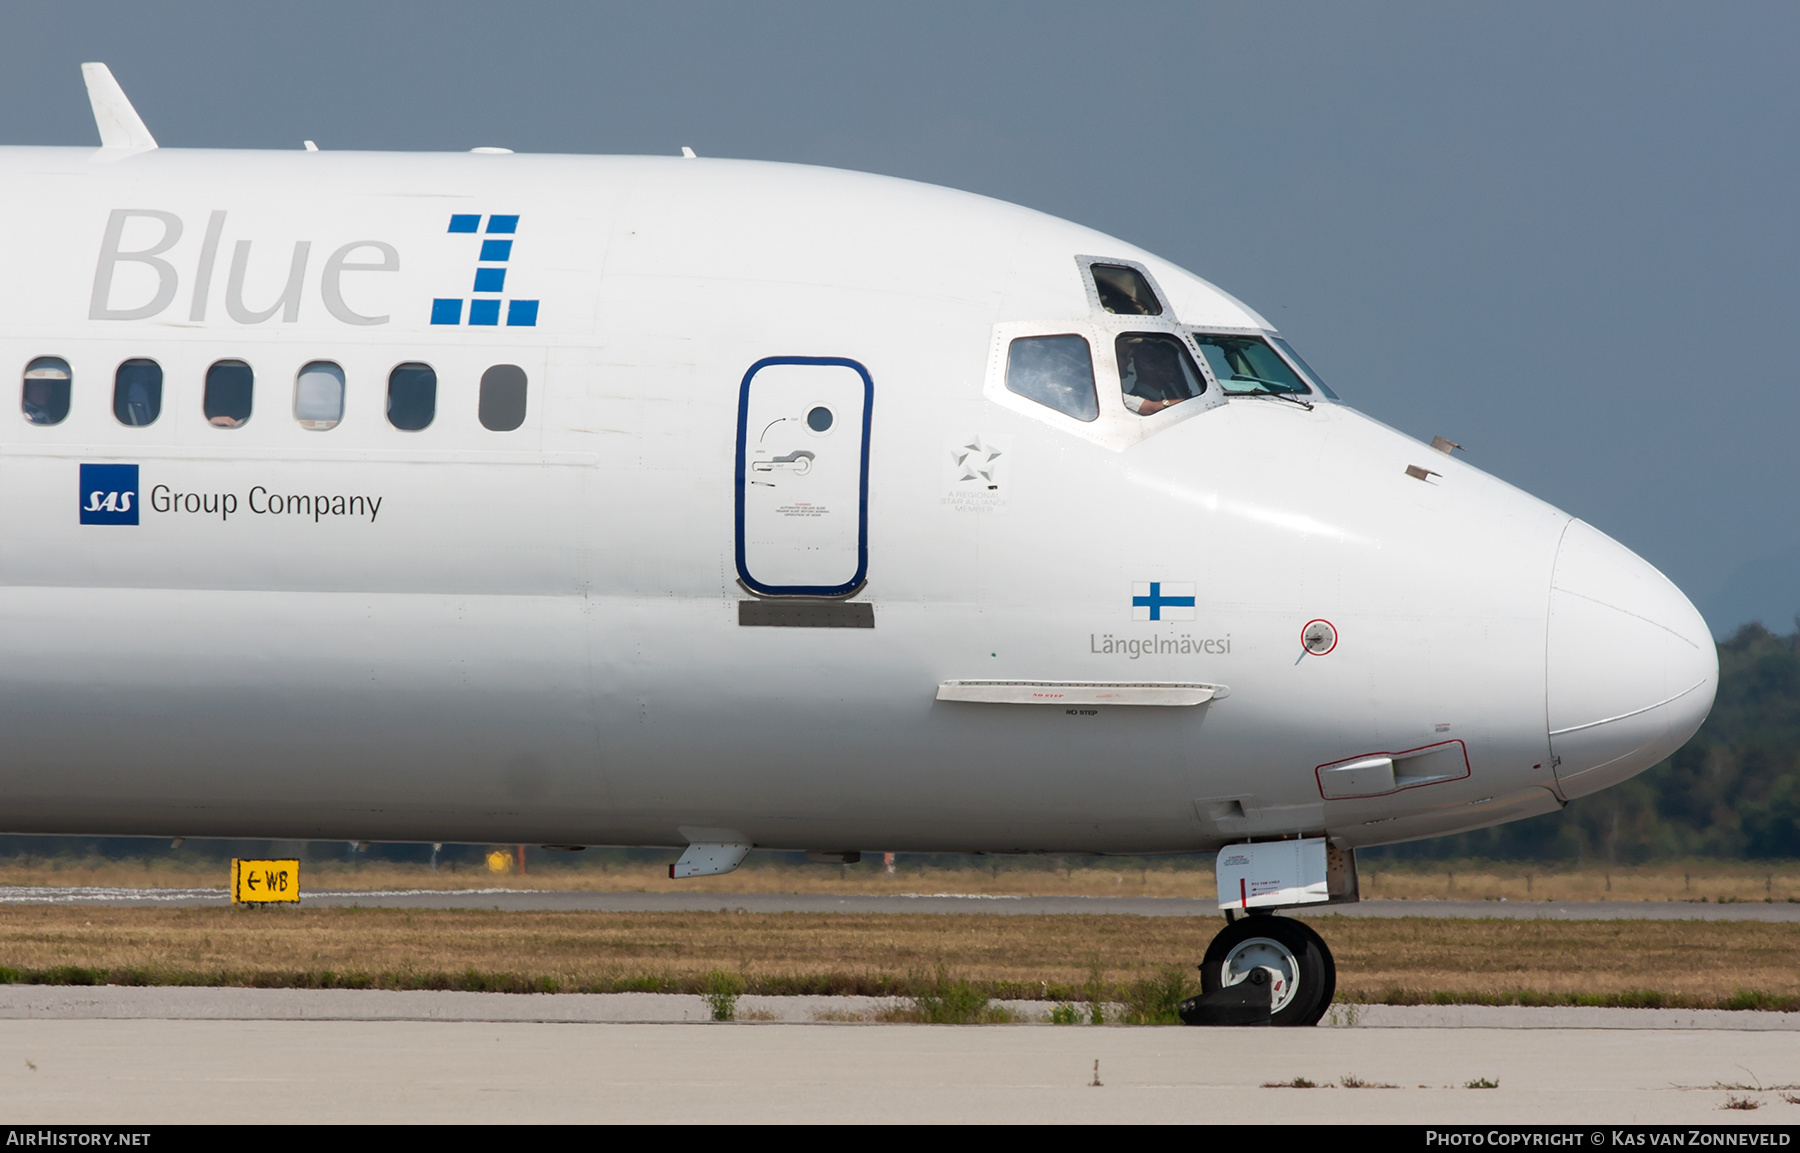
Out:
{"x": 120, "y": 125}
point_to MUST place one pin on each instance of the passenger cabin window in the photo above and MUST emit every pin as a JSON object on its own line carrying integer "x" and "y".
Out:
{"x": 319, "y": 395}
{"x": 502, "y": 405}
{"x": 1057, "y": 371}
{"x": 44, "y": 396}
{"x": 412, "y": 397}
{"x": 1246, "y": 365}
{"x": 229, "y": 384}
{"x": 137, "y": 392}
{"x": 1155, "y": 372}
{"x": 1124, "y": 290}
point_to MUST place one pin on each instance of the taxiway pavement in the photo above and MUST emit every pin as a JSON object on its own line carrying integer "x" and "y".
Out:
{"x": 96, "y": 1070}
{"x": 231, "y": 1003}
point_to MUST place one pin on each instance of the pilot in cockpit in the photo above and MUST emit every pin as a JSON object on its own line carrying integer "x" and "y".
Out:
{"x": 1155, "y": 372}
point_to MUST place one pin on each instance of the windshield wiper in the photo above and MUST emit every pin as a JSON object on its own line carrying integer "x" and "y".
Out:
{"x": 1272, "y": 389}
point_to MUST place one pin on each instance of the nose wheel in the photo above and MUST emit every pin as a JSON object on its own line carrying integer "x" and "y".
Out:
{"x": 1302, "y": 975}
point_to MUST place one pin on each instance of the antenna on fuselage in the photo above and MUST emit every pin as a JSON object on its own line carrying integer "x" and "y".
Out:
{"x": 119, "y": 124}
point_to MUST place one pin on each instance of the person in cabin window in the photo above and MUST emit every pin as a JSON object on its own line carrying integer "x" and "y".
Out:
{"x": 39, "y": 401}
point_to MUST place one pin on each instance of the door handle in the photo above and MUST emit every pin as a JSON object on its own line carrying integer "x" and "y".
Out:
{"x": 799, "y": 462}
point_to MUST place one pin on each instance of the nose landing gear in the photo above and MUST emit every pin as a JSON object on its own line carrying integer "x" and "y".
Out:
{"x": 1302, "y": 975}
{"x": 1263, "y": 969}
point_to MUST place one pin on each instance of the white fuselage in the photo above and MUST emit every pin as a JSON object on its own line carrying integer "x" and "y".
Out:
{"x": 534, "y": 635}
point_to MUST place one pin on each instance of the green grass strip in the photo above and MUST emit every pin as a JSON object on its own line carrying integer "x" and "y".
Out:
{"x": 1150, "y": 1001}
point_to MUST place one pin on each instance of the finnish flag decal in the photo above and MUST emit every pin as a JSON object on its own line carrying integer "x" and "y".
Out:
{"x": 1162, "y": 601}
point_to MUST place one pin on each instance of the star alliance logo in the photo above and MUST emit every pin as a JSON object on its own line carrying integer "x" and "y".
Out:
{"x": 976, "y": 470}
{"x": 977, "y": 461}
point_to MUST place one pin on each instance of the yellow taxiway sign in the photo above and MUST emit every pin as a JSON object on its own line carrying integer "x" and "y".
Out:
{"x": 257, "y": 882}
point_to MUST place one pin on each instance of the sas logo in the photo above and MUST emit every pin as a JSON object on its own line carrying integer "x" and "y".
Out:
{"x": 109, "y": 494}
{"x": 490, "y": 277}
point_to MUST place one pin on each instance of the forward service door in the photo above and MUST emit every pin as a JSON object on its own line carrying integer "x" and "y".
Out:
{"x": 803, "y": 476}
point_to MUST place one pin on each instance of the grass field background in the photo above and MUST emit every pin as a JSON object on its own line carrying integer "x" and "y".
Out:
{"x": 1405, "y": 961}
{"x": 766, "y": 873}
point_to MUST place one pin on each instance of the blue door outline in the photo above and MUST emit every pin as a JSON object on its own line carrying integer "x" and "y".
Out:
{"x": 862, "y": 496}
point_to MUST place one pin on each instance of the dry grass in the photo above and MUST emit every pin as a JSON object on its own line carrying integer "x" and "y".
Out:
{"x": 564, "y": 871}
{"x": 1684, "y": 962}
{"x": 1713, "y": 881}
{"x": 1063, "y": 958}
{"x": 1469, "y": 881}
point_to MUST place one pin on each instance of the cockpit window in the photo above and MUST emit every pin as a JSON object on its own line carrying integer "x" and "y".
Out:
{"x": 1123, "y": 290}
{"x": 1306, "y": 369}
{"x": 1057, "y": 371}
{"x": 1246, "y": 365}
{"x": 1155, "y": 371}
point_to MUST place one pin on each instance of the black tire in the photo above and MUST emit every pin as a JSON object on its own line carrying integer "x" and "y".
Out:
{"x": 1280, "y": 944}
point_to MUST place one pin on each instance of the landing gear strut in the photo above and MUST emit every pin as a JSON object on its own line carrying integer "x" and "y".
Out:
{"x": 1302, "y": 977}
{"x": 1263, "y": 969}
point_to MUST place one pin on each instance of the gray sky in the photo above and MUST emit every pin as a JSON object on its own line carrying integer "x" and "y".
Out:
{"x": 1561, "y": 234}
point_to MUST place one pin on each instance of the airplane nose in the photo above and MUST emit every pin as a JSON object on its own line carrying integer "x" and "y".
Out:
{"x": 1630, "y": 665}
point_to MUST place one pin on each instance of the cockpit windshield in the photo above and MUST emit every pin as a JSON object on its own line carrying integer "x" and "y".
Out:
{"x": 1246, "y": 365}
{"x": 1155, "y": 372}
{"x": 1306, "y": 369}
